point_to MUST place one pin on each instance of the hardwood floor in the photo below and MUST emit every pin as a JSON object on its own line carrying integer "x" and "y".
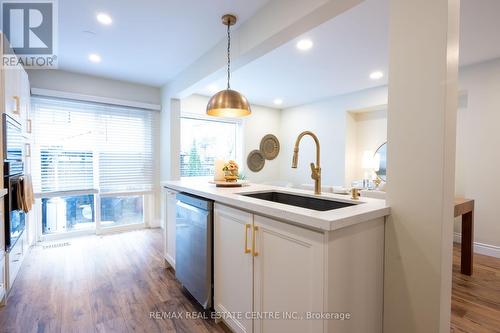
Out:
{"x": 475, "y": 301}
{"x": 112, "y": 283}
{"x": 100, "y": 284}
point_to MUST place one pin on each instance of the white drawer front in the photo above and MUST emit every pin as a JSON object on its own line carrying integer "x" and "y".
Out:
{"x": 16, "y": 257}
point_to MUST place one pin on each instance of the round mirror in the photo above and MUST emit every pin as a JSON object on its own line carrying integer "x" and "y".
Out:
{"x": 382, "y": 156}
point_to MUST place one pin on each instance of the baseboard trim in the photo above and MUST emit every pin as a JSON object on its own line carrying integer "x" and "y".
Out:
{"x": 228, "y": 319}
{"x": 481, "y": 248}
{"x": 170, "y": 260}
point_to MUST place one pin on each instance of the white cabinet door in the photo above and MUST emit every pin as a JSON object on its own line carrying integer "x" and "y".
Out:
{"x": 12, "y": 91}
{"x": 233, "y": 266}
{"x": 170, "y": 227}
{"x": 25, "y": 101}
{"x": 17, "y": 95}
{"x": 288, "y": 276}
{"x": 15, "y": 259}
{"x": 2, "y": 278}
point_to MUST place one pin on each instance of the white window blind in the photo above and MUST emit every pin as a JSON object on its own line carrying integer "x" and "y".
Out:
{"x": 83, "y": 145}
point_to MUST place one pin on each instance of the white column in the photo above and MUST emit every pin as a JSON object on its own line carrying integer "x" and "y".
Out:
{"x": 423, "y": 72}
{"x": 175, "y": 137}
{"x": 169, "y": 146}
{"x": 169, "y": 137}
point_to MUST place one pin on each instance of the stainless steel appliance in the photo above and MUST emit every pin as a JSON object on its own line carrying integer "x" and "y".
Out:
{"x": 194, "y": 247}
{"x": 13, "y": 147}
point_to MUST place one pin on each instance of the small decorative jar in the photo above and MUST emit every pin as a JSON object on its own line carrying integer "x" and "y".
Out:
{"x": 231, "y": 176}
{"x": 231, "y": 171}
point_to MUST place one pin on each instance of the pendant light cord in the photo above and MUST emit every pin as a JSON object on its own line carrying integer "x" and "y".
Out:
{"x": 228, "y": 55}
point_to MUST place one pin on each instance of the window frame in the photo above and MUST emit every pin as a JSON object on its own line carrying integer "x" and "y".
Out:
{"x": 239, "y": 146}
{"x": 149, "y": 195}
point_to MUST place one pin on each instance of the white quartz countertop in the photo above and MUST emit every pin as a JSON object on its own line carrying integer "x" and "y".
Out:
{"x": 3, "y": 192}
{"x": 365, "y": 209}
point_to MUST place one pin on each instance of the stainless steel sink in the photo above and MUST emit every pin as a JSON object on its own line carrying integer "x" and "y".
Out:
{"x": 300, "y": 201}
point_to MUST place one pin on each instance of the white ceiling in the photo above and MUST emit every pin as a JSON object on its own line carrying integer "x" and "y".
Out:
{"x": 149, "y": 42}
{"x": 346, "y": 50}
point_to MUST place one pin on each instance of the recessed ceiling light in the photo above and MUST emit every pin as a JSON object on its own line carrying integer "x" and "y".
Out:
{"x": 376, "y": 75}
{"x": 94, "y": 57}
{"x": 278, "y": 101}
{"x": 104, "y": 18}
{"x": 304, "y": 44}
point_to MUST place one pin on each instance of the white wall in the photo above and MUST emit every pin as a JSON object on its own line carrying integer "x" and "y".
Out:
{"x": 366, "y": 131}
{"x": 262, "y": 121}
{"x": 478, "y": 156}
{"x": 328, "y": 120}
{"x": 76, "y": 83}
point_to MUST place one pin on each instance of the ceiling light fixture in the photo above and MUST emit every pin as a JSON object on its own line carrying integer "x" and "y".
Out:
{"x": 94, "y": 57}
{"x": 304, "y": 44}
{"x": 104, "y": 18}
{"x": 228, "y": 103}
{"x": 376, "y": 75}
{"x": 278, "y": 101}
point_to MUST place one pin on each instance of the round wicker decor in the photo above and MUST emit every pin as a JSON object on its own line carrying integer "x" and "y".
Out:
{"x": 255, "y": 160}
{"x": 270, "y": 147}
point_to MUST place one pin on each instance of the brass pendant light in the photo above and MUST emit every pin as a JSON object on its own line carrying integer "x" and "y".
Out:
{"x": 228, "y": 103}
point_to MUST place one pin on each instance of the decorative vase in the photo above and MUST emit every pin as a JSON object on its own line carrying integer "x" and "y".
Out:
{"x": 231, "y": 175}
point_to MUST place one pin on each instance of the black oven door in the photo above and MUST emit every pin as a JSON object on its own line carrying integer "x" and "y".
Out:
{"x": 15, "y": 218}
{"x": 17, "y": 226}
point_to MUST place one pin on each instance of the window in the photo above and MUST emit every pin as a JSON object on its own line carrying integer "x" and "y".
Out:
{"x": 122, "y": 210}
{"x": 205, "y": 140}
{"x": 70, "y": 213}
{"x": 83, "y": 151}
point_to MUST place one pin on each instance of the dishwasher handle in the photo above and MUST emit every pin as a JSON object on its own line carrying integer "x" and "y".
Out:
{"x": 191, "y": 208}
{"x": 195, "y": 201}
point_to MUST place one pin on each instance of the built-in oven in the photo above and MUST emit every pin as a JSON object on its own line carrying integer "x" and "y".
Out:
{"x": 13, "y": 139}
{"x": 15, "y": 217}
{"x": 13, "y": 144}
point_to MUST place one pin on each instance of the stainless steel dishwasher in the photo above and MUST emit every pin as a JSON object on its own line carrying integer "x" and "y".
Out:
{"x": 193, "y": 246}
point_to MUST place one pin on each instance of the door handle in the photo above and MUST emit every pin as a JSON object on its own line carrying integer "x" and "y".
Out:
{"x": 255, "y": 253}
{"x": 246, "y": 249}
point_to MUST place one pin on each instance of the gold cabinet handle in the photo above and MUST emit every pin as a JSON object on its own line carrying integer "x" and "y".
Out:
{"x": 28, "y": 126}
{"x": 27, "y": 150}
{"x": 254, "y": 236}
{"x": 18, "y": 104}
{"x": 247, "y": 250}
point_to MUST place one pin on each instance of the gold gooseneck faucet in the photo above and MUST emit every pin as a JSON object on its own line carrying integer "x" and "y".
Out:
{"x": 315, "y": 169}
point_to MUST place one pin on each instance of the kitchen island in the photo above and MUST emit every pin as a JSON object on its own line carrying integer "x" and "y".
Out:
{"x": 283, "y": 268}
